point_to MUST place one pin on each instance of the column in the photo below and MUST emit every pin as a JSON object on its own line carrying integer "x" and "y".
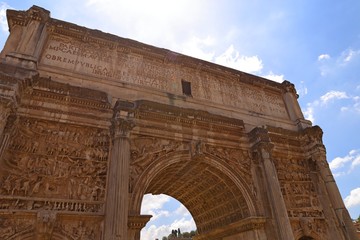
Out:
{"x": 263, "y": 149}
{"x": 117, "y": 201}
{"x": 318, "y": 154}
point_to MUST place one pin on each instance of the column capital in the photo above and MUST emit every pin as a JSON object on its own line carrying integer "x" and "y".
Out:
{"x": 312, "y": 141}
{"x": 262, "y": 146}
{"x": 121, "y": 127}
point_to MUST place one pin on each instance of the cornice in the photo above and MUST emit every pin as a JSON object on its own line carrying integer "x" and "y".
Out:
{"x": 46, "y": 84}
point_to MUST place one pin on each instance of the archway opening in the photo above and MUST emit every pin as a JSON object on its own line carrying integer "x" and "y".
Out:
{"x": 169, "y": 215}
{"x": 205, "y": 187}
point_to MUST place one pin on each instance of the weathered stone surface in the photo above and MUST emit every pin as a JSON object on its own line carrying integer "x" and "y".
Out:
{"x": 90, "y": 122}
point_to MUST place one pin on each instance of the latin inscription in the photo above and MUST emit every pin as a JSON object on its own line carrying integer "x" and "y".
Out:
{"x": 121, "y": 65}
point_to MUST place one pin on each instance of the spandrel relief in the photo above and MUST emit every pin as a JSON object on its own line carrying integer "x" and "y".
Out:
{"x": 57, "y": 161}
{"x": 145, "y": 150}
{"x": 14, "y": 228}
{"x": 298, "y": 190}
{"x": 236, "y": 158}
{"x": 79, "y": 230}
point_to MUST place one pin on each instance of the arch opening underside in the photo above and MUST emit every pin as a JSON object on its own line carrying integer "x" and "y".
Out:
{"x": 210, "y": 195}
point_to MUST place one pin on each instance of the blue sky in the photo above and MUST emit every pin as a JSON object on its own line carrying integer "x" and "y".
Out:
{"x": 313, "y": 44}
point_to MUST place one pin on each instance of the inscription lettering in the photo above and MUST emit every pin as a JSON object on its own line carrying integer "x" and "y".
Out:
{"x": 124, "y": 66}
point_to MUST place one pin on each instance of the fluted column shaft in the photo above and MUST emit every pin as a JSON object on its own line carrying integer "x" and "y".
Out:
{"x": 334, "y": 195}
{"x": 274, "y": 191}
{"x": 116, "y": 219}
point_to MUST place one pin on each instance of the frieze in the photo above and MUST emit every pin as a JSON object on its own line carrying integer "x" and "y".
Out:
{"x": 147, "y": 110}
{"x": 10, "y": 204}
{"x": 53, "y": 160}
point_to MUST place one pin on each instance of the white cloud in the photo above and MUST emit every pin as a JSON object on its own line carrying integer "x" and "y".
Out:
{"x": 153, "y": 205}
{"x": 161, "y": 23}
{"x": 333, "y": 95}
{"x": 339, "y": 162}
{"x": 153, "y": 232}
{"x": 353, "y": 199}
{"x": 323, "y": 57}
{"x": 274, "y": 77}
{"x": 182, "y": 210}
{"x": 302, "y": 89}
{"x": 195, "y": 47}
{"x": 348, "y": 55}
{"x": 352, "y": 105}
{"x": 3, "y": 20}
{"x": 355, "y": 162}
{"x": 153, "y": 202}
{"x": 350, "y": 161}
{"x": 232, "y": 58}
{"x": 334, "y": 65}
{"x": 309, "y": 112}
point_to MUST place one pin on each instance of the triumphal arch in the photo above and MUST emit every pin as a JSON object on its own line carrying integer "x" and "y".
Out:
{"x": 90, "y": 122}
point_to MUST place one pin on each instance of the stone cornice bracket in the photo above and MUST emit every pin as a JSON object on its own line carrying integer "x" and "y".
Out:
{"x": 22, "y": 18}
{"x": 138, "y": 222}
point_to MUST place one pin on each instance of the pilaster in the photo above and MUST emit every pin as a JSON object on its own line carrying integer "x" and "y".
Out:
{"x": 116, "y": 219}
{"x": 24, "y": 44}
{"x": 5, "y": 110}
{"x": 293, "y": 107}
{"x": 262, "y": 149}
{"x": 9, "y": 125}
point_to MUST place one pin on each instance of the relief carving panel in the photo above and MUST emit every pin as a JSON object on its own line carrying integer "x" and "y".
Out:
{"x": 11, "y": 228}
{"x": 63, "y": 163}
{"x": 298, "y": 189}
{"x": 145, "y": 150}
{"x": 79, "y": 229}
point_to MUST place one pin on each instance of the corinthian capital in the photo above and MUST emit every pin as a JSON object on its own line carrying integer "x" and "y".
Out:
{"x": 122, "y": 127}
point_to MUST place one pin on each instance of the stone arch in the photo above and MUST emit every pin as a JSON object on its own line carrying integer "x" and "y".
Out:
{"x": 222, "y": 197}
